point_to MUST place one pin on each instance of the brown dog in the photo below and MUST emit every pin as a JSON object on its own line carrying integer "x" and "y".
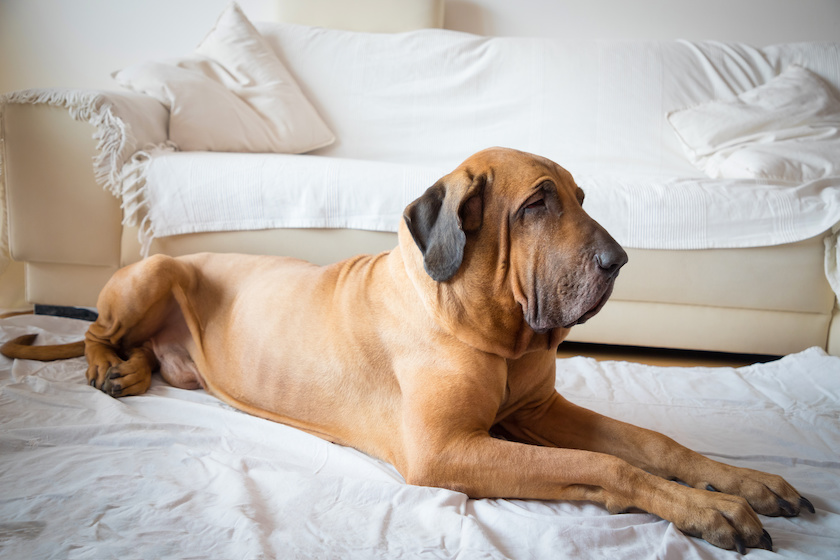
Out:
{"x": 416, "y": 355}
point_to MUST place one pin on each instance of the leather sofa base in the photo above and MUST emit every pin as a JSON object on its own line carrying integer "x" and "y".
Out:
{"x": 621, "y": 322}
{"x": 65, "y": 284}
{"x": 695, "y": 327}
{"x": 626, "y": 320}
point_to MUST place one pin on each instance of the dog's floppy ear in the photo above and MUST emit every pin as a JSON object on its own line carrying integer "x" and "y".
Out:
{"x": 440, "y": 219}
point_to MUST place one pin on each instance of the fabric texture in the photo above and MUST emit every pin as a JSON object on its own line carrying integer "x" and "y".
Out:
{"x": 179, "y": 474}
{"x": 788, "y": 128}
{"x": 232, "y": 95}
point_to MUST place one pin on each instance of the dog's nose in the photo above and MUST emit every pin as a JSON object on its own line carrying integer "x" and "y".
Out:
{"x": 611, "y": 258}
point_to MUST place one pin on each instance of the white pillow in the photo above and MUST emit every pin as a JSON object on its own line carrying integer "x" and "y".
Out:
{"x": 788, "y": 128}
{"x": 232, "y": 95}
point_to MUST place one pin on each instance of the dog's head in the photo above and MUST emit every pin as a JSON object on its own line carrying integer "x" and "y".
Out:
{"x": 504, "y": 238}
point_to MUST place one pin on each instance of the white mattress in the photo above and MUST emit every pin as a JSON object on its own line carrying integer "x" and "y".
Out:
{"x": 190, "y": 192}
{"x": 178, "y": 474}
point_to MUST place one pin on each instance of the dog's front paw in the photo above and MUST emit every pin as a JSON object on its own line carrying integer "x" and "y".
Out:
{"x": 725, "y": 521}
{"x": 768, "y": 494}
{"x": 119, "y": 378}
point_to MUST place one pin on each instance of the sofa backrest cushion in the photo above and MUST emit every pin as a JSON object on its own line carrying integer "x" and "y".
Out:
{"x": 433, "y": 97}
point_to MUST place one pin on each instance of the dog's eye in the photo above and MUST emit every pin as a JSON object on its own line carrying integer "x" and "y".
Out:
{"x": 536, "y": 202}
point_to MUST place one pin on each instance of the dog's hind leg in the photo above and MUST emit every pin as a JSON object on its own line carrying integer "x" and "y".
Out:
{"x": 138, "y": 302}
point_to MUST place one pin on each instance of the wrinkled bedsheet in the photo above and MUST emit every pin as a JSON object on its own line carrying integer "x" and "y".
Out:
{"x": 178, "y": 474}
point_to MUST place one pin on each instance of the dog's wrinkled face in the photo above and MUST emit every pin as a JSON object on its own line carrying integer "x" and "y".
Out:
{"x": 514, "y": 221}
{"x": 563, "y": 262}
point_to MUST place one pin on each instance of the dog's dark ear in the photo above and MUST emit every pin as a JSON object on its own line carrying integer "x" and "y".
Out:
{"x": 440, "y": 219}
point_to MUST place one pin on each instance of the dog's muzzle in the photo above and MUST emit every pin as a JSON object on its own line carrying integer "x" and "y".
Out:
{"x": 608, "y": 261}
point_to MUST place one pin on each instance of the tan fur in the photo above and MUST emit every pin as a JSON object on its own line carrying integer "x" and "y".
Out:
{"x": 21, "y": 348}
{"x": 374, "y": 353}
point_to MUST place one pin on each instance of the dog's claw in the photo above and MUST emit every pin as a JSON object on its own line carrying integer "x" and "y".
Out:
{"x": 806, "y": 503}
{"x": 786, "y": 507}
{"x": 766, "y": 541}
{"x": 740, "y": 546}
{"x": 111, "y": 388}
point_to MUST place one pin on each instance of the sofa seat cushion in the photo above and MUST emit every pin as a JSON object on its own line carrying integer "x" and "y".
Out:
{"x": 189, "y": 192}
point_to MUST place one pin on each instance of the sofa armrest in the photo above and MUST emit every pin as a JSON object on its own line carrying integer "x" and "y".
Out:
{"x": 60, "y": 148}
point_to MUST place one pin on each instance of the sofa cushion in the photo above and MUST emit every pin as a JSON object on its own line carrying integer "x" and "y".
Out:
{"x": 788, "y": 128}
{"x": 232, "y": 95}
{"x": 433, "y": 97}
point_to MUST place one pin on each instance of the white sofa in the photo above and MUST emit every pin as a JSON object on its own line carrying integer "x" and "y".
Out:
{"x": 723, "y": 264}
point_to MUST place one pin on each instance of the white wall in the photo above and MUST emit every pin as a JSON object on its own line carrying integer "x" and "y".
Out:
{"x": 758, "y": 22}
{"x": 77, "y": 43}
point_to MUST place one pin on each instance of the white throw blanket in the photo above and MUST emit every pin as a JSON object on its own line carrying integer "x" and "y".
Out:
{"x": 177, "y": 474}
{"x": 191, "y": 192}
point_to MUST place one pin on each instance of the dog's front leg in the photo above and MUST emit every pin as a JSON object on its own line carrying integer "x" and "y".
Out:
{"x": 481, "y": 466}
{"x": 446, "y": 443}
{"x": 557, "y": 422}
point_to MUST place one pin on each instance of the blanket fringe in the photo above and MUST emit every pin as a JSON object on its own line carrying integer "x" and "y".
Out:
{"x": 134, "y": 200}
{"x": 832, "y": 260}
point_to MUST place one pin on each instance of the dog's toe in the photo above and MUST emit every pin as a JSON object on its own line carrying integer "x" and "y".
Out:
{"x": 111, "y": 385}
{"x": 787, "y": 508}
{"x": 126, "y": 379}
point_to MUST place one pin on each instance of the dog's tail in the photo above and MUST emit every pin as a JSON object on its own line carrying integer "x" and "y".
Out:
{"x": 21, "y": 348}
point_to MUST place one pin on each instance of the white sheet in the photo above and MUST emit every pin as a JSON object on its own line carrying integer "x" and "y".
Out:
{"x": 189, "y": 192}
{"x": 177, "y": 474}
